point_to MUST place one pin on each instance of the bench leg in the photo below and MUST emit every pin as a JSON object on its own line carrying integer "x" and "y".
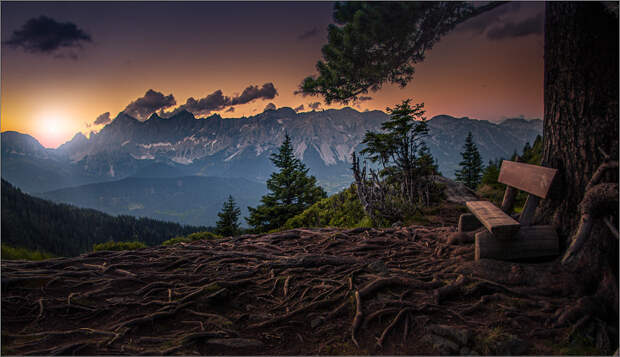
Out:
{"x": 468, "y": 222}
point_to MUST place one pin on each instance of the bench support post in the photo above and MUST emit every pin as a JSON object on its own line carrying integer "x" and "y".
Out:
{"x": 527, "y": 216}
{"x": 468, "y": 222}
{"x": 509, "y": 199}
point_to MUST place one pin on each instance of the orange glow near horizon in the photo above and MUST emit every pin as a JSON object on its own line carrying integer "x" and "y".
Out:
{"x": 52, "y": 99}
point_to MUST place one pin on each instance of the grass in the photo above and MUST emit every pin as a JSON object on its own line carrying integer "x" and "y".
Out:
{"x": 191, "y": 238}
{"x": 17, "y": 253}
{"x": 495, "y": 194}
{"x": 486, "y": 343}
{"x": 343, "y": 349}
{"x": 579, "y": 345}
{"x": 112, "y": 245}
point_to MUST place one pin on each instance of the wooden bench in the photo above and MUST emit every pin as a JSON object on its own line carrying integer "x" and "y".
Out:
{"x": 506, "y": 238}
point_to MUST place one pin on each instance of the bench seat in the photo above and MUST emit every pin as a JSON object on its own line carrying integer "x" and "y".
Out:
{"x": 496, "y": 221}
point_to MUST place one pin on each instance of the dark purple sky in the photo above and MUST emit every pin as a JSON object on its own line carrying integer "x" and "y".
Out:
{"x": 490, "y": 67}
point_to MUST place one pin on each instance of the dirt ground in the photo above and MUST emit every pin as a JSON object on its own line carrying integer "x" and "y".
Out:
{"x": 410, "y": 290}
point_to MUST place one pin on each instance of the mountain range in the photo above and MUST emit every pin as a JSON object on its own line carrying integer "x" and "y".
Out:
{"x": 127, "y": 150}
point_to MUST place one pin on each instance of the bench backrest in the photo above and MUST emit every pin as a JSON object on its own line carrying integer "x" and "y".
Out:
{"x": 532, "y": 179}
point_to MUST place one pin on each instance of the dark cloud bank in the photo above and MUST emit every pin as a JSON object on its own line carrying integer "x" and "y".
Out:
{"x": 314, "y": 105}
{"x": 152, "y": 101}
{"x": 103, "y": 119}
{"x": 308, "y": 34}
{"x": 497, "y": 26}
{"x": 218, "y": 101}
{"x": 45, "y": 35}
{"x": 157, "y": 102}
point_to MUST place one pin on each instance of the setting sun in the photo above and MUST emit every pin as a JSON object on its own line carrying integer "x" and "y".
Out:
{"x": 53, "y": 127}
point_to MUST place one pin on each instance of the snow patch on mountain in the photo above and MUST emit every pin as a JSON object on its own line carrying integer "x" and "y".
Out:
{"x": 156, "y": 145}
{"x": 326, "y": 153}
{"x": 146, "y": 156}
{"x": 233, "y": 155}
{"x": 300, "y": 149}
{"x": 182, "y": 160}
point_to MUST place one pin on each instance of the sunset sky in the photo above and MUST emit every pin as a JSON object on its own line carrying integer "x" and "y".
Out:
{"x": 112, "y": 54}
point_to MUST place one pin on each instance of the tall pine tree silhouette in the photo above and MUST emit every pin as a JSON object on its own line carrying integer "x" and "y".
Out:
{"x": 292, "y": 191}
{"x": 228, "y": 222}
{"x": 471, "y": 166}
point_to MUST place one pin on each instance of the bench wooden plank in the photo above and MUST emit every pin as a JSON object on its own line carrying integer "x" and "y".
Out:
{"x": 501, "y": 225}
{"x": 529, "y": 242}
{"x": 532, "y": 179}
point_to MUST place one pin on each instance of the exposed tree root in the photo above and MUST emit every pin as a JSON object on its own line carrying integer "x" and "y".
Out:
{"x": 305, "y": 291}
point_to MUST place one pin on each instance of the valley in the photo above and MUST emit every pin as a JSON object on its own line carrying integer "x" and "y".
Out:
{"x": 182, "y": 168}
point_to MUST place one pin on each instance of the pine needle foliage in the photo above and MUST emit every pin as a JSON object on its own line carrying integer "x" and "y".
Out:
{"x": 228, "y": 222}
{"x": 403, "y": 181}
{"x": 471, "y": 165}
{"x": 292, "y": 190}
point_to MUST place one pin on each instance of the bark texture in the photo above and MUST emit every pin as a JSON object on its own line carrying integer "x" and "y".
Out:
{"x": 581, "y": 103}
{"x": 580, "y": 134}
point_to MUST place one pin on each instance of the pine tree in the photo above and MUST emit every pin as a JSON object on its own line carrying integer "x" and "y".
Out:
{"x": 228, "y": 222}
{"x": 426, "y": 162}
{"x": 490, "y": 174}
{"x": 292, "y": 191}
{"x": 471, "y": 166}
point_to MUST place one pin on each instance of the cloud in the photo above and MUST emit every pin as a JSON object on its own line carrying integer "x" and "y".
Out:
{"x": 479, "y": 24}
{"x": 47, "y": 36}
{"x": 103, "y": 119}
{"x": 299, "y": 108}
{"x": 531, "y": 26}
{"x": 152, "y": 101}
{"x": 314, "y": 105}
{"x": 217, "y": 101}
{"x": 364, "y": 98}
{"x": 308, "y": 34}
{"x": 203, "y": 106}
{"x": 267, "y": 91}
{"x": 230, "y": 110}
{"x": 269, "y": 106}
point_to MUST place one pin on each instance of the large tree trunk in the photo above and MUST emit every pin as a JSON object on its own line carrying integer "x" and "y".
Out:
{"x": 581, "y": 102}
{"x": 581, "y": 118}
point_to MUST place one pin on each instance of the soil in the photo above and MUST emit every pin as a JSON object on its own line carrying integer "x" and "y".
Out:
{"x": 406, "y": 290}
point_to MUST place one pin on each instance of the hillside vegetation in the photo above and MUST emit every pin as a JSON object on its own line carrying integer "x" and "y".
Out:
{"x": 340, "y": 210}
{"x": 64, "y": 230}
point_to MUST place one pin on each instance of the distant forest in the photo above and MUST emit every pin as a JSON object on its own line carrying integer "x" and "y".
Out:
{"x": 66, "y": 230}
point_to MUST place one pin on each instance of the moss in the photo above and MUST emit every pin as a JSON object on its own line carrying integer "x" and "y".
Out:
{"x": 485, "y": 344}
{"x": 579, "y": 345}
{"x": 112, "y": 245}
{"x": 213, "y": 287}
{"x": 17, "y": 253}
{"x": 343, "y": 349}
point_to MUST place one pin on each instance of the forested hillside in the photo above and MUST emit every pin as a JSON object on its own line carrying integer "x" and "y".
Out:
{"x": 66, "y": 230}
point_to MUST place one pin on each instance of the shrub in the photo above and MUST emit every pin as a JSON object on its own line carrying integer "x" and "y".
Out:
{"x": 191, "y": 238}
{"x": 112, "y": 245}
{"x": 17, "y": 253}
{"x": 340, "y": 210}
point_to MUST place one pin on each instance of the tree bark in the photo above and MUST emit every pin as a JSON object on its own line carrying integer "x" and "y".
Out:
{"x": 580, "y": 130}
{"x": 581, "y": 104}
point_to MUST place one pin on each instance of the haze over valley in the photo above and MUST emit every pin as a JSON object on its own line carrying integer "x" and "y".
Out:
{"x": 145, "y": 168}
